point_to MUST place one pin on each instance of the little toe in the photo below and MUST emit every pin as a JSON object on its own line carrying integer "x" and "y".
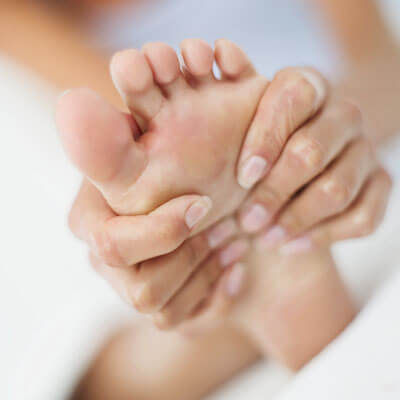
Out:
{"x": 133, "y": 78}
{"x": 199, "y": 58}
{"x": 166, "y": 68}
{"x": 99, "y": 140}
{"x": 232, "y": 60}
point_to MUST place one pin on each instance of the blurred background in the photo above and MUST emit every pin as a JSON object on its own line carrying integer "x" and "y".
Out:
{"x": 54, "y": 311}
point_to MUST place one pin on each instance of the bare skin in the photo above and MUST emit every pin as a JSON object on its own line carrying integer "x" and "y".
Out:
{"x": 191, "y": 368}
{"x": 107, "y": 89}
{"x": 267, "y": 309}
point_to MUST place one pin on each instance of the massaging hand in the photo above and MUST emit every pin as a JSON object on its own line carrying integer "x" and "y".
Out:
{"x": 322, "y": 182}
{"x": 309, "y": 141}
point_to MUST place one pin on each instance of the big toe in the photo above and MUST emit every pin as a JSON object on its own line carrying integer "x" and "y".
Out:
{"x": 99, "y": 139}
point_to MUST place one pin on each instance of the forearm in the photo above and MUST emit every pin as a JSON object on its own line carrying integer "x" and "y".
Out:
{"x": 54, "y": 48}
{"x": 359, "y": 28}
{"x": 371, "y": 59}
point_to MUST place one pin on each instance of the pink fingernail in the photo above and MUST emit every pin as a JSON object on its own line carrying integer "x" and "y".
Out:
{"x": 217, "y": 235}
{"x": 252, "y": 171}
{"x": 272, "y": 238}
{"x": 198, "y": 211}
{"x": 234, "y": 282}
{"x": 233, "y": 252}
{"x": 301, "y": 245}
{"x": 254, "y": 218}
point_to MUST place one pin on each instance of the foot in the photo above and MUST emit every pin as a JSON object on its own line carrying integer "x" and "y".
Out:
{"x": 190, "y": 127}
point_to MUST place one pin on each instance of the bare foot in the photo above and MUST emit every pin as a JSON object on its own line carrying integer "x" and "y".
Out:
{"x": 193, "y": 126}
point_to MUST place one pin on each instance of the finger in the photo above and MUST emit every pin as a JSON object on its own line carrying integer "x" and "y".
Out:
{"x": 121, "y": 241}
{"x": 306, "y": 155}
{"x": 209, "y": 312}
{"x": 293, "y": 96}
{"x": 117, "y": 278}
{"x": 329, "y": 195}
{"x": 89, "y": 209}
{"x": 160, "y": 278}
{"x": 199, "y": 286}
{"x": 226, "y": 293}
{"x": 361, "y": 219}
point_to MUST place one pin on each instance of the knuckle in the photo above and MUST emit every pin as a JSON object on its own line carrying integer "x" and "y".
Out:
{"x": 364, "y": 222}
{"x": 165, "y": 320}
{"x": 298, "y": 89}
{"x": 336, "y": 192}
{"x": 172, "y": 233}
{"x": 195, "y": 249}
{"x": 146, "y": 298}
{"x": 267, "y": 195}
{"x": 351, "y": 111}
{"x": 306, "y": 153}
{"x": 105, "y": 247}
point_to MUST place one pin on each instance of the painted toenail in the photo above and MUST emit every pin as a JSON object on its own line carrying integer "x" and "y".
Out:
{"x": 297, "y": 246}
{"x": 252, "y": 171}
{"x": 272, "y": 238}
{"x": 221, "y": 232}
{"x": 254, "y": 218}
{"x": 233, "y": 252}
{"x": 235, "y": 280}
{"x": 198, "y": 211}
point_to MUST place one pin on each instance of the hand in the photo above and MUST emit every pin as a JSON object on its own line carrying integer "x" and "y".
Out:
{"x": 322, "y": 182}
{"x": 151, "y": 261}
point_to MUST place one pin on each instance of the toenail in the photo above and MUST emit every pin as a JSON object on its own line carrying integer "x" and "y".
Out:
{"x": 271, "y": 238}
{"x": 252, "y": 171}
{"x": 233, "y": 252}
{"x": 254, "y": 218}
{"x": 221, "y": 232}
{"x": 198, "y": 211}
{"x": 297, "y": 246}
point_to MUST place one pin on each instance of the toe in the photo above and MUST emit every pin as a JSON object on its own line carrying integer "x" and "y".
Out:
{"x": 232, "y": 61}
{"x": 99, "y": 139}
{"x": 166, "y": 68}
{"x": 133, "y": 78}
{"x": 199, "y": 59}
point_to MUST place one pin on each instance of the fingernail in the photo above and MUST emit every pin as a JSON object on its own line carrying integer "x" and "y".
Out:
{"x": 252, "y": 171}
{"x": 221, "y": 232}
{"x": 301, "y": 245}
{"x": 318, "y": 85}
{"x": 272, "y": 238}
{"x": 254, "y": 218}
{"x": 233, "y": 252}
{"x": 234, "y": 282}
{"x": 198, "y": 211}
